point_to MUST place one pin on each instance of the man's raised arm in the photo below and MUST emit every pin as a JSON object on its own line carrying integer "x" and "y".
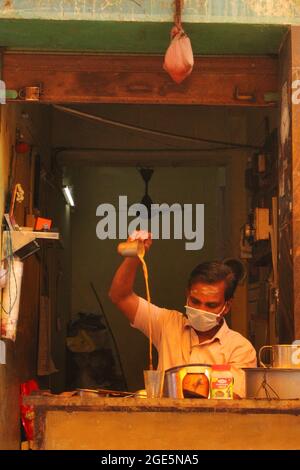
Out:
{"x": 121, "y": 291}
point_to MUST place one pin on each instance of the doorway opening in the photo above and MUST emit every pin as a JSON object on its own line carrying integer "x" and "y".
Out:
{"x": 230, "y": 168}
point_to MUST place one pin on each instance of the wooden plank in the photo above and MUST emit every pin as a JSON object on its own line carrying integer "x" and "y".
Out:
{"x": 289, "y": 192}
{"x": 73, "y": 78}
{"x": 26, "y": 340}
{"x": 285, "y": 263}
{"x": 295, "y": 38}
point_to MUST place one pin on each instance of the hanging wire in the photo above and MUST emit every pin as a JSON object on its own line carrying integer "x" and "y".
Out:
{"x": 11, "y": 269}
{"x": 145, "y": 130}
{"x": 267, "y": 389}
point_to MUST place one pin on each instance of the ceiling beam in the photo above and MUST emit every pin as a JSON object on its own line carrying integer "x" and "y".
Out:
{"x": 86, "y": 78}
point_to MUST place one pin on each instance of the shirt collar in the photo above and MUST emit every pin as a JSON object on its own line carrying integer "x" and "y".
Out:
{"x": 220, "y": 335}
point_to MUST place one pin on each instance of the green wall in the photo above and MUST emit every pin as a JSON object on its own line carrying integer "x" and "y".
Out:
{"x": 137, "y": 37}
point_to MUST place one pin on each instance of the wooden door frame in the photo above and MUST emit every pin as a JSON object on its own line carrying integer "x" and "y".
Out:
{"x": 289, "y": 190}
{"x": 215, "y": 81}
{"x": 95, "y": 78}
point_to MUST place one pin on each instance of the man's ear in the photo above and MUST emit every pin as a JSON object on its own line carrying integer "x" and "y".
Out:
{"x": 187, "y": 294}
{"x": 228, "y": 306}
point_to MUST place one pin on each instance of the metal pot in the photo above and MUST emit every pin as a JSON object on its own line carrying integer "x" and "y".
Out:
{"x": 285, "y": 356}
{"x": 272, "y": 383}
{"x": 187, "y": 381}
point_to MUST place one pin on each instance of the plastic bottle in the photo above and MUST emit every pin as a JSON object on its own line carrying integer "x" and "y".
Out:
{"x": 221, "y": 382}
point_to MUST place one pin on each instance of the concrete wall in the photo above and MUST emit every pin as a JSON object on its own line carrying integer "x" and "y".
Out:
{"x": 223, "y": 11}
{"x": 21, "y": 362}
{"x": 156, "y": 430}
{"x": 90, "y": 422}
{"x": 20, "y": 358}
{"x": 9, "y": 385}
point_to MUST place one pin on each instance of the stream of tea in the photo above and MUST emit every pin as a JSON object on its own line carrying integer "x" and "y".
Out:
{"x": 146, "y": 277}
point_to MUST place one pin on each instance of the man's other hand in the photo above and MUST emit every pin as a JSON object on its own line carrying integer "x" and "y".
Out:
{"x": 143, "y": 235}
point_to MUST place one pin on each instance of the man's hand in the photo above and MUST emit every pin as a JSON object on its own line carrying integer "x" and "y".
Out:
{"x": 121, "y": 291}
{"x": 146, "y": 237}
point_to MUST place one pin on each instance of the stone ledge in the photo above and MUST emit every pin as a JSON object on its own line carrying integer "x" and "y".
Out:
{"x": 77, "y": 403}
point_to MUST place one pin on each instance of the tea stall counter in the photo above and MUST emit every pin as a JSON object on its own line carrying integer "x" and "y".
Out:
{"x": 91, "y": 422}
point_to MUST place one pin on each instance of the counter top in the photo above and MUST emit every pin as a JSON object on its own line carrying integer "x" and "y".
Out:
{"x": 97, "y": 422}
{"x": 95, "y": 403}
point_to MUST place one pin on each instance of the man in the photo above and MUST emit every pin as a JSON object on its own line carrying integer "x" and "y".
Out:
{"x": 202, "y": 336}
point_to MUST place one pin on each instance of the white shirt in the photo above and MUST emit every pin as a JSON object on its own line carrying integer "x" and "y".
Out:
{"x": 178, "y": 344}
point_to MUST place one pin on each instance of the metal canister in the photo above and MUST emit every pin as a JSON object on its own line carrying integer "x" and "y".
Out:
{"x": 131, "y": 248}
{"x": 188, "y": 381}
{"x": 272, "y": 382}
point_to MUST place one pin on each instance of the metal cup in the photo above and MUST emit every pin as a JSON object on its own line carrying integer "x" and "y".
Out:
{"x": 282, "y": 356}
{"x": 30, "y": 93}
{"x": 131, "y": 248}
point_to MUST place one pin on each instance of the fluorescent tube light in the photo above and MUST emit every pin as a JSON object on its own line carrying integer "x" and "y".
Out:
{"x": 68, "y": 195}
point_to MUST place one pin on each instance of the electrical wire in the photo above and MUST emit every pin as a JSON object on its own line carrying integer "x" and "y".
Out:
{"x": 138, "y": 150}
{"x": 11, "y": 269}
{"x": 150, "y": 131}
{"x": 14, "y": 275}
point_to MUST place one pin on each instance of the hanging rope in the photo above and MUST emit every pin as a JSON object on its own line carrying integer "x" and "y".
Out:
{"x": 178, "y": 12}
{"x": 177, "y": 28}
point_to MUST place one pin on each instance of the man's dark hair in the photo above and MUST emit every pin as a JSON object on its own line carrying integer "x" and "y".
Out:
{"x": 212, "y": 272}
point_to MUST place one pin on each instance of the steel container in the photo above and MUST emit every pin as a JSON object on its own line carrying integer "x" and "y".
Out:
{"x": 285, "y": 356}
{"x": 272, "y": 383}
{"x": 187, "y": 381}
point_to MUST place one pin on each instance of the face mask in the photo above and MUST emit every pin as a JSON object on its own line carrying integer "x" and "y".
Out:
{"x": 202, "y": 320}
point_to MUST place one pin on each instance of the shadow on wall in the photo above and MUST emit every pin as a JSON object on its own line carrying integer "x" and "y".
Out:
{"x": 91, "y": 358}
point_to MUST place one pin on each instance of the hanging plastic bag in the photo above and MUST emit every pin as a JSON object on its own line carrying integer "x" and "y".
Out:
{"x": 179, "y": 59}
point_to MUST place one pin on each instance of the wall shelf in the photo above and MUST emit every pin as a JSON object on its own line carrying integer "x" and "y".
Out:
{"x": 21, "y": 238}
